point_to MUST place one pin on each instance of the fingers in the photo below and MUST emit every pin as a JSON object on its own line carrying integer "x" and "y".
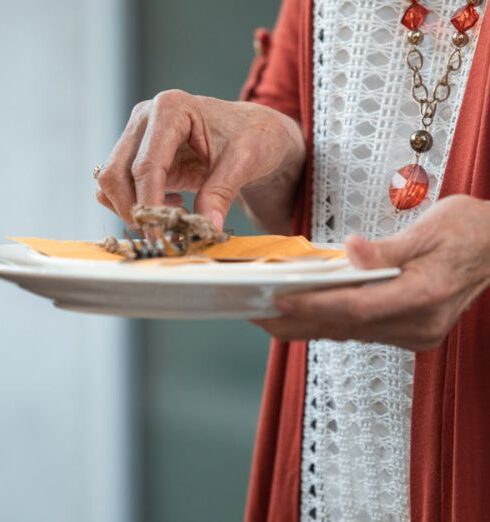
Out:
{"x": 285, "y": 329}
{"x": 104, "y": 200}
{"x": 149, "y": 159}
{"x": 355, "y": 306}
{"x": 169, "y": 126}
{"x": 394, "y": 251}
{"x": 137, "y": 169}
{"x": 422, "y": 336}
{"x": 214, "y": 199}
{"x": 415, "y": 241}
{"x": 373, "y": 313}
{"x": 217, "y": 194}
{"x": 362, "y": 253}
{"x": 115, "y": 180}
{"x": 172, "y": 200}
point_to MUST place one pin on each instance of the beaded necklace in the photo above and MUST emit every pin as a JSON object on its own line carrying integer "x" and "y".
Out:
{"x": 410, "y": 184}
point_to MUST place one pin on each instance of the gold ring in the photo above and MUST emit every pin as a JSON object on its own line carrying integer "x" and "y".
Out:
{"x": 97, "y": 170}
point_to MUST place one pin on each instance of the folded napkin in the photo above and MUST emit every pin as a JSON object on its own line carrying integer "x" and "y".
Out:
{"x": 67, "y": 249}
{"x": 268, "y": 247}
{"x": 263, "y": 248}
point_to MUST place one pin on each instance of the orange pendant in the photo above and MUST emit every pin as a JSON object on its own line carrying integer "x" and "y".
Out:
{"x": 465, "y": 18}
{"x": 409, "y": 187}
{"x": 414, "y": 16}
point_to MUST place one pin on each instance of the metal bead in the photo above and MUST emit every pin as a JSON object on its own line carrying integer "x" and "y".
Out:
{"x": 460, "y": 39}
{"x": 421, "y": 141}
{"x": 415, "y": 37}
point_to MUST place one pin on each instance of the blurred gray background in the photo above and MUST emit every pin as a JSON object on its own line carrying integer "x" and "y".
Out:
{"x": 102, "y": 419}
{"x": 202, "y": 379}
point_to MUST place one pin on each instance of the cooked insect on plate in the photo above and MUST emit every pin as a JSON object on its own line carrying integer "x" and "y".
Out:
{"x": 166, "y": 232}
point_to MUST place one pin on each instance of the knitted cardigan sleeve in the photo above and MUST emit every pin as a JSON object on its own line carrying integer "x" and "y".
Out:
{"x": 274, "y": 76}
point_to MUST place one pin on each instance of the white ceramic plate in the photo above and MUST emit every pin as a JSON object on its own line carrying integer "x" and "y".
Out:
{"x": 204, "y": 291}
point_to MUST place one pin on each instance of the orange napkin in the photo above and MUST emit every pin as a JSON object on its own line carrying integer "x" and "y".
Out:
{"x": 269, "y": 247}
{"x": 256, "y": 247}
{"x": 67, "y": 249}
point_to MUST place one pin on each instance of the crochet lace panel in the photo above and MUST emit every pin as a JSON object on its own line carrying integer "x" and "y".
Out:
{"x": 356, "y": 433}
{"x": 358, "y": 399}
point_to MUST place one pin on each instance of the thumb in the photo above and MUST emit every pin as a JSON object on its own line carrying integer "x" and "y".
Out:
{"x": 392, "y": 252}
{"x": 216, "y": 196}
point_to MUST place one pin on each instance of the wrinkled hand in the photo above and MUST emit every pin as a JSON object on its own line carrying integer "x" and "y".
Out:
{"x": 180, "y": 142}
{"x": 445, "y": 258}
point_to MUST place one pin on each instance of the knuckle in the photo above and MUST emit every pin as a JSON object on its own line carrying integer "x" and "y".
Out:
{"x": 142, "y": 166}
{"x": 170, "y": 98}
{"x": 139, "y": 108}
{"x": 108, "y": 178}
{"x": 223, "y": 193}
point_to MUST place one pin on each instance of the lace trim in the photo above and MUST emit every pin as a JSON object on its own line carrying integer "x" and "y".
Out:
{"x": 356, "y": 433}
{"x": 364, "y": 114}
{"x": 358, "y": 398}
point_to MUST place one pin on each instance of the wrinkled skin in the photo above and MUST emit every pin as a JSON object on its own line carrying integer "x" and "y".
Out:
{"x": 223, "y": 150}
{"x": 180, "y": 142}
{"x": 445, "y": 258}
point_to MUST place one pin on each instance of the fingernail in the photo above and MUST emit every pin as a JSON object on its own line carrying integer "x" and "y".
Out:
{"x": 217, "y": 219}
{"x": 284, "y": 305}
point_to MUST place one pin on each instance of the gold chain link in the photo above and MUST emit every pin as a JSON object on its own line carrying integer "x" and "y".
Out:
{"x": 442, "y": 89}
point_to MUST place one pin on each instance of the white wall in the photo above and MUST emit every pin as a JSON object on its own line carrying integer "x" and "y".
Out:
{"x": 65, "y": 428}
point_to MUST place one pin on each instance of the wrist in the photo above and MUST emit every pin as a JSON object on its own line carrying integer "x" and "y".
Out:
{"x": 269, "y": 201}
{"x": 269, "y": 194}
{"x": 287, "y": 173}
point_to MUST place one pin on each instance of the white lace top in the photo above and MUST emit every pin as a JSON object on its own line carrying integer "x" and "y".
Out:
{"x": 358, "y": 401}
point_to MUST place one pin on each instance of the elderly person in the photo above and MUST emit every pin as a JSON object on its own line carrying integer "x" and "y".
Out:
{"x": 354, "y": 127}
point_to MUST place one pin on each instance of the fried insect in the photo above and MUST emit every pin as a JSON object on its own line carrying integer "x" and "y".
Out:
{"x": 166, "y": 232}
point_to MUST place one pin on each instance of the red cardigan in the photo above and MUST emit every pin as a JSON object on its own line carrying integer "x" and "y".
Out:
{"x": 450, "y": 450}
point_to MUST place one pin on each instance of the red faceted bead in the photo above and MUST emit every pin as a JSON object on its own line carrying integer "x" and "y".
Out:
{"x": 409, "y": 187}
{"x": 465, "y": 18}
{"x": 414, "y": 16}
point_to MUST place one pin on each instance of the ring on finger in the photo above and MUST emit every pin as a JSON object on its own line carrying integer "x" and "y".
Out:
{"x": 97, "y": 170}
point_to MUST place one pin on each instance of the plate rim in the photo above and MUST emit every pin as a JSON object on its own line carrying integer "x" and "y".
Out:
{"x": 334, "y": 276}
{"x": 106, "y": 272}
